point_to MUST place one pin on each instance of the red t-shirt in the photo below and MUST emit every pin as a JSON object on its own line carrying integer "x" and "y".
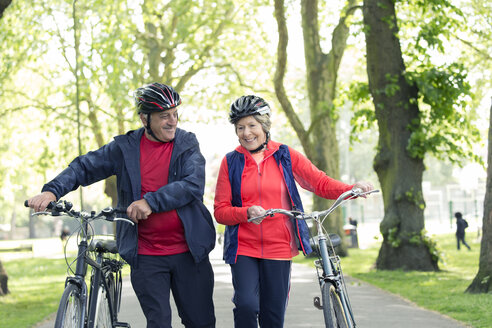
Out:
{"x": 161, "y": 233}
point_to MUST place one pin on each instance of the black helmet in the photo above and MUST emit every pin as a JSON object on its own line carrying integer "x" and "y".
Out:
{"x": 246, "y": 106}
{"x": 155, "y": 97}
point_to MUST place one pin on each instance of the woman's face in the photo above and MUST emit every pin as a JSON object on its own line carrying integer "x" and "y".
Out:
{"x": 250, "y": 133}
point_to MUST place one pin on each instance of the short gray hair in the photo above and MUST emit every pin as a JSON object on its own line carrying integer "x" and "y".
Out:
{"x": 264, "y": 121}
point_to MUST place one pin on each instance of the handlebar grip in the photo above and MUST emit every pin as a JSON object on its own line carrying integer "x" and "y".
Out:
{"x": 256, "y": 217}
{"x": 50, "y": 206}
{"x": 357, "y": 191}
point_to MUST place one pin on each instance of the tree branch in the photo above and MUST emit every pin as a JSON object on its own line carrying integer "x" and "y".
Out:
{"x": 278, "y": 80}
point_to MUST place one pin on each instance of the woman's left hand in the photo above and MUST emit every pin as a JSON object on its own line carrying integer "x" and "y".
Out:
{"x": 364, "y": 186}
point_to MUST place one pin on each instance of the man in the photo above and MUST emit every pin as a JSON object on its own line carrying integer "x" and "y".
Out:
{"x": 161, "y": 178}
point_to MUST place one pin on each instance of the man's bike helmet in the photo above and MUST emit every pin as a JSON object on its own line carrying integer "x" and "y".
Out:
{"x": 246, "y": 106}
{"x": 155, "y": 97}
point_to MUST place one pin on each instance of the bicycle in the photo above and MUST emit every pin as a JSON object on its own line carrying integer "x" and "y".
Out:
{"x": 334, "y": 302}
{"x": 99, "y": 305}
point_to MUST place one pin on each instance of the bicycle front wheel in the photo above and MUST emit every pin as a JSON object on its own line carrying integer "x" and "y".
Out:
{"x": 103, "y": 313}
{"x": 332, "y": 307}
{"x": 70, "y": 309}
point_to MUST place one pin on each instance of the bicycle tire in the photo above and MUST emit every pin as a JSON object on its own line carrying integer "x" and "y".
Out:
{"x": 112, "y": 291}
{"x": 103, "y": 313}
{"x": 69, "y": 312}
{"x": 332, "y": 307}
{"x": 118, "y": 284}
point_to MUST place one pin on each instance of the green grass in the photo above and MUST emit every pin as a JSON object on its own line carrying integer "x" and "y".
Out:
{"x": 35, "y": 285}
{"x": 442, "y": 291}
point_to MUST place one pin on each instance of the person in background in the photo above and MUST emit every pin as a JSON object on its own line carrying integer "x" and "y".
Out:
{"x": 161, "y": 178}
{"x": 260, "y": 174}
{"x": 64, "y": 233}
{"x": 461, "y": 225}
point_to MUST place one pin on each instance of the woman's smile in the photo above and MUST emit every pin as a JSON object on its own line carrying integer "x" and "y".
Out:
{"x": 250, "y": 133}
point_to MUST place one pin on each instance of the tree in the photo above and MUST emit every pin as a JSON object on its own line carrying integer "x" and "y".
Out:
{"x": 418, "y": 111}
{"x": 3, "y": 5}
{"x": 122, "y": 46}
{"x": 3, "y": 274}
{"x": 482, "y": 283}
{"x": 319, "y": 140}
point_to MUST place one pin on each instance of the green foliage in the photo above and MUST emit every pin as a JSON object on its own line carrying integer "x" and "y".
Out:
{"x": 393, "y": 238}
{"x": 423, "y": 238}
{"x": 445, "y": 126}
{"x": 416, "y": 198}
{"x": 198, "y": 47}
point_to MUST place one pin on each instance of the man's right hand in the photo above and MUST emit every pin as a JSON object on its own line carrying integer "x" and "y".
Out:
{"x": 41, "y": 201}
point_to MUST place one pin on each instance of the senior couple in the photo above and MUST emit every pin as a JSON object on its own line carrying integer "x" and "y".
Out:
{"x": 161, "y": 178}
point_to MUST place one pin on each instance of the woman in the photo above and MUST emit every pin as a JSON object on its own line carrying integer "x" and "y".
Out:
{"x": 260, "y": 174}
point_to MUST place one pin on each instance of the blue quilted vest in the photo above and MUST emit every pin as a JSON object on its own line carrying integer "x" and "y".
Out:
{"x": 235, "y": 163}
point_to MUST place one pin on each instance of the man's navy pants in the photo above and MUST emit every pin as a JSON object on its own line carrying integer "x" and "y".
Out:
{"x": 191, "y": 283}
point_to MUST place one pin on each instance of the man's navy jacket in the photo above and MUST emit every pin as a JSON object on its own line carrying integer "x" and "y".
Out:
{"x": 184, "y": 191}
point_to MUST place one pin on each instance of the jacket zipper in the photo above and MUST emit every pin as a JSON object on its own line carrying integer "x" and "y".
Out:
{"x": 259, "y": 196}
{"x": 260, "y": 200}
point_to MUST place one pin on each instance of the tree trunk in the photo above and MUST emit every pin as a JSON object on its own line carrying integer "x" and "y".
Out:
{"x": 32, "y": 226}
{"x": 483, "y": 280}
{"x": 3, "y": 5}
{"x": 400, "y": 175}
{"x": 319, "y": 142}
{"x": 4, "y": 289}
{"x": 13, "y": 219}
{"x": 110, "y": 189}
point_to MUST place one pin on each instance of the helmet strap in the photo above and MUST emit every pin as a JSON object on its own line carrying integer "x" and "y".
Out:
{"x": 263, "y": 145}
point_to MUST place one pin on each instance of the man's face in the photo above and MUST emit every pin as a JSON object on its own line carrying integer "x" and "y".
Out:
{"x": 163, "y": 124}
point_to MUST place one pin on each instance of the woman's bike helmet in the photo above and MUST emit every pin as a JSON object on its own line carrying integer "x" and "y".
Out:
{"x": 155, "y": 97}
{"x": 246, "y": 106}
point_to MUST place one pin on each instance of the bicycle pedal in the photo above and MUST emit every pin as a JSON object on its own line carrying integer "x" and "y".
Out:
{"x": 121, "y": 324}
{"x": 317, "y": 303}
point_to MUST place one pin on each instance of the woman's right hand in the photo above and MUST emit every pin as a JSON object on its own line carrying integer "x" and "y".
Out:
{"x": 255, "y": 211}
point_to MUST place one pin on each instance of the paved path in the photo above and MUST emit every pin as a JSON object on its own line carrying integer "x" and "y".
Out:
{"x": 372, "y": 306}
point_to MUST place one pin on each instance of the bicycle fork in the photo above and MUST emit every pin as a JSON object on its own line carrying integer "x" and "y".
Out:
{"x": 330, "y": 277}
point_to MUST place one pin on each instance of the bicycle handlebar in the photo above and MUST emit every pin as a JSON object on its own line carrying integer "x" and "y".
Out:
{"x": 296, "y": 214}
{"x": 64, "y": 207}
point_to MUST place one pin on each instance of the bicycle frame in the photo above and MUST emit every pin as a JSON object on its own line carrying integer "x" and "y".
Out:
{"x": 102, "y": 269}
{"x": 330, "y": 265}
{"x": 98, "y": 278}
{"x": 329, "y": 275}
